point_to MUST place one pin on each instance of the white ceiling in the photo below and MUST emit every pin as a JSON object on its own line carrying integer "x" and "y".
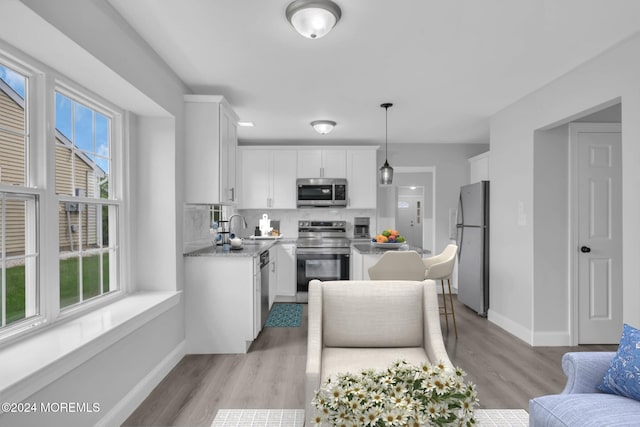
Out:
{"x": 447, "y": 65}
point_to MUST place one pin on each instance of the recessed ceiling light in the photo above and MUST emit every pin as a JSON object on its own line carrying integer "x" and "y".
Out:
{"x": 246, "y": 124}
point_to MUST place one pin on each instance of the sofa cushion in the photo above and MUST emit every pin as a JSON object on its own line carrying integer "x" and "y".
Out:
{"x": 623, "y": 376}
{"x": 336, "y": 360}
{"x": 372, "y": 314}
{"x": 583, "y": 410}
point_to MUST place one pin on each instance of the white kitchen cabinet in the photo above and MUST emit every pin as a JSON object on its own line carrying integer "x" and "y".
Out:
{"x": 210, "y": 150}
{"x": 274, "y": 270}
{"x": 362, "y": 178}
{"x": 286, "y": 281}
{"x": 479, "y": 168}
{"x": 220, "y": 306}
{"x": 360, "y": 264}
{"x": 322, "y": 163}
{"x": 267, "y": 178}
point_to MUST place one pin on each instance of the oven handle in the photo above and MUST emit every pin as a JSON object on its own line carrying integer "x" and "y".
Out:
{"x": 323, "y": 251}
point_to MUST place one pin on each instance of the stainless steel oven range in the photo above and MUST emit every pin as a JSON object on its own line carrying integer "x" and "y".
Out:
{"x": 322, "y": 252}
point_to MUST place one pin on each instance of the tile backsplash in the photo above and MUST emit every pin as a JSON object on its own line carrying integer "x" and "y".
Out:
{"x": 289, "y": 218}
{"x": 197, "y": 220}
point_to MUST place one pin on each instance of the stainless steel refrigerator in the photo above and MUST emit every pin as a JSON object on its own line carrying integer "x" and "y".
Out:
{"x": 472, "y": 227}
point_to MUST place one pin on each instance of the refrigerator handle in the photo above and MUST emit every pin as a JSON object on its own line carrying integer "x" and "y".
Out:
{"x": 459, "y": 240}
{"x": 460, "y": 226}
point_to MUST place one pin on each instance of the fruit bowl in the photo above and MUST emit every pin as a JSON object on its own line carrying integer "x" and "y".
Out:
{"x": 389, "y": 239}
{"x": 388, "y": 245}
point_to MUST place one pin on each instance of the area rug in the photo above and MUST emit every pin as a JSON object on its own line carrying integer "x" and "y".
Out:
{"x": 295, "y": 418}
{"x": 259, "y": 418}
{"x": 284, "y": 316}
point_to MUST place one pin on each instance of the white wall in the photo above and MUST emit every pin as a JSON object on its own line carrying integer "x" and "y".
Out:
{"x": 451, "y": 172}
{"x": 87, "y": 41}
{"x": 519, "y": 297}
{"x": 551, "y": 233}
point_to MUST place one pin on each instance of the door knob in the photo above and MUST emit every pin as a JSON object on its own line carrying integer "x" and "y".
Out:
{"x": 585, "y": 249}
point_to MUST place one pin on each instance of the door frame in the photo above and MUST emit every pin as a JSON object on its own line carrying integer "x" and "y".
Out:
{"x": 574, "y": 308}
{"x": 424, "y": 169}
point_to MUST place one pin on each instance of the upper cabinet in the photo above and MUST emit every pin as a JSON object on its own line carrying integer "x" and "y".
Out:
{"x": 267, "y": 174}
{"x": 211, "y": 140}
{"x": 362, "y": 175}
{"x": 479, "y": 168}
{"x": 322, "y": 163}
{"x": 267, "y": 178}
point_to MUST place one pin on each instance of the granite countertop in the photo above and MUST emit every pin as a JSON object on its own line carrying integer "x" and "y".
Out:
{"x": 366, "y": 248}
{"x": 250, "y": 248}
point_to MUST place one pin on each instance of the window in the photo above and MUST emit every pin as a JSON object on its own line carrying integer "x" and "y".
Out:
{"x": 87, "y": 214}
{"x": 43, "y": 278}
{"x": 18, "y": 205}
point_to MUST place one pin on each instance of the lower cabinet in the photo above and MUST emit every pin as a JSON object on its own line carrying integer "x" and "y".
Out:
{"x": 360, "y": 264}
{"x": 220, "y": 304}
{"x": 274, "y": 269}
{"x": 286, "y": 280}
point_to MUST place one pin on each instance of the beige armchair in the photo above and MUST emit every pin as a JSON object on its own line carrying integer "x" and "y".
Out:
{"x": 398, "y": 265}
{"x": 355, "y": 325}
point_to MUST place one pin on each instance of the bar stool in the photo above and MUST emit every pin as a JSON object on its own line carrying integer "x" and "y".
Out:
{"x": 398, "y": 265}
{"x": 440, "y": 267}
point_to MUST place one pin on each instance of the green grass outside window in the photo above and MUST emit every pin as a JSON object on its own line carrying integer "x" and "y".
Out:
{"x": 68, "y": 284}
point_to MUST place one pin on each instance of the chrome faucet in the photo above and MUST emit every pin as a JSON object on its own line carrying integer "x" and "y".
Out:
{"x": 244, "y": 221}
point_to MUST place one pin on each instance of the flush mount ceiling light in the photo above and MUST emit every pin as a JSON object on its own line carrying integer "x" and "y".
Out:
{"x": 323, "y": 127}
{"x": 386, "y": 171}
{"x": 313, "y": 18}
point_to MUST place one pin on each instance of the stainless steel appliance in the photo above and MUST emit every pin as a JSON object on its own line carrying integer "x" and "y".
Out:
{"x": 321, "y": 192}
{"x": 472, "y": 227}
{"x": 264, "y": 287}
{"x": 361, "y": 227}
{"x": 322, "y": 252}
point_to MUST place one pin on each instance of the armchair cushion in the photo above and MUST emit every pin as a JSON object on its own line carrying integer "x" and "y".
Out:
{"x": 340, "y": 360}
{"x": 583, "y": 410}
{"x": 623, "y": 376}
{"x": 387, "y": 315}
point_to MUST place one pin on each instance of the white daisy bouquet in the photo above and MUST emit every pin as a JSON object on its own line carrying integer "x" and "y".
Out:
{"x": 402, "y": 395}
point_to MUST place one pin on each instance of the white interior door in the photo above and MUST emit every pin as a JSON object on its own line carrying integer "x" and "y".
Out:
{"x": 598, "y": 240}
{"x": 409, "y": 213}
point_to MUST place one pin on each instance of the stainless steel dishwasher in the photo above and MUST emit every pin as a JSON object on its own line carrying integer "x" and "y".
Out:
{"x": 264, "y": 287}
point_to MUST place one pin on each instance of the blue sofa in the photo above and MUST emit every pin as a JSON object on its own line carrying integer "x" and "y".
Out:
{"x": 581, "y": 403}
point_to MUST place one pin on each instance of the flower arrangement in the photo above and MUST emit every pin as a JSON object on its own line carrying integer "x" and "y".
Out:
{"x": 401, "y": 395}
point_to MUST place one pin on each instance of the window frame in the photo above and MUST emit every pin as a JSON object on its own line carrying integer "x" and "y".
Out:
{"x": 41, "y": 87}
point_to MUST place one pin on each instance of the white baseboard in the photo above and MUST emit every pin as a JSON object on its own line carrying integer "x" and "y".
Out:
{"x": 510, "y": 326}
{"x": 551, "y": 339}
{"x": 125, "y": 407}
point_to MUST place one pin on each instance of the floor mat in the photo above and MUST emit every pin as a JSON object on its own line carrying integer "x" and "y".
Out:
{"x": 284, "y": 316}
{"x": 259, "y": 418}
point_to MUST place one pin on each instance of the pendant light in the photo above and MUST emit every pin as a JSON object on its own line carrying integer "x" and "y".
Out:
{"x": 386, "y": 171}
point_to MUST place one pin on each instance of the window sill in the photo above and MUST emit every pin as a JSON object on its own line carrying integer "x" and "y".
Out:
{"x": 31, "y": 364}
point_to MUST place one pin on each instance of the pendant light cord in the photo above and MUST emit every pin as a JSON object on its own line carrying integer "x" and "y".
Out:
{"x": 386, "y": 106}
{"x": 386, "y": 133}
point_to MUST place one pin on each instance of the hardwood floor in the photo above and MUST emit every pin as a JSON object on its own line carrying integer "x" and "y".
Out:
{"x": 506, "y": 371}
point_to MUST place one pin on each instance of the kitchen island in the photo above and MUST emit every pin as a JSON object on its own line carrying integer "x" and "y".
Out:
{"x": 366, "y": 254}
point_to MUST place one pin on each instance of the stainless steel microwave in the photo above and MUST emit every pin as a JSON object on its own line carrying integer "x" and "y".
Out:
{"x": 322, "y": 192}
